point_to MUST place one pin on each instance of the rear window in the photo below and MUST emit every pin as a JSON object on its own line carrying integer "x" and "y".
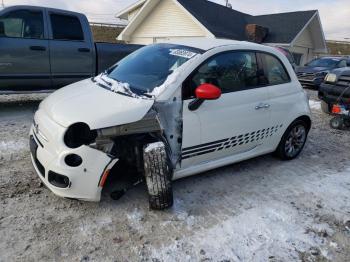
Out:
{"x": 66, "y": 27}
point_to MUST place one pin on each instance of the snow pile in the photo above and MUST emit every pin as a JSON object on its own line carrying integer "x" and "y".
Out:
{"x": 315, "y": 104}
{"x": 13, "y": 146}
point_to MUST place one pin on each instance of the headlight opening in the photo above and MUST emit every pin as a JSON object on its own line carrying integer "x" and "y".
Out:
{"x": 79, "y": 134}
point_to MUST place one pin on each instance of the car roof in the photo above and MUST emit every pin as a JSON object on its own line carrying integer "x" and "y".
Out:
{"x": 333, "y": 57}
{"x": 210, "y": 43}
{"x": 16, "y": 7}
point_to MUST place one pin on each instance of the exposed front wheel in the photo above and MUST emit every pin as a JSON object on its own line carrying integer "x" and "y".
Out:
{"x": 158, "y": 176}
{"x": 293, "y": 140}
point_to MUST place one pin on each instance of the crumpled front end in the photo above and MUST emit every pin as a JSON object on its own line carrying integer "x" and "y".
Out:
{"x": 71, "y": 173}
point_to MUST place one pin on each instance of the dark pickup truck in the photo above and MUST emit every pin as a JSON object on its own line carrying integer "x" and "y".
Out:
{"x": 335, "y": 89}
{"x": 43, "y": 49}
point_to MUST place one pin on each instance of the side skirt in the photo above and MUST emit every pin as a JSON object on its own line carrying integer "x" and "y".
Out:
{"x": 206, "y": 166}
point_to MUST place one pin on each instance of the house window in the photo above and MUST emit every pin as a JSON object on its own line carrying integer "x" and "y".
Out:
{"x": 298, "y": 58}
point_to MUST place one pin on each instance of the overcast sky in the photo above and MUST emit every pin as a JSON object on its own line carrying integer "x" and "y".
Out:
{"x": 335, "y": 14}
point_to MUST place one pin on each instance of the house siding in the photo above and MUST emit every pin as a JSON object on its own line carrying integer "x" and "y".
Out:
{"x": 133, "y": 13}
{"x": 305, "y": 46}
{"x": 166, "y": 21}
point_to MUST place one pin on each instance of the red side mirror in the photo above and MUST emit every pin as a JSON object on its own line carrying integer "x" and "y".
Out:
{"x": 208, "y": 92}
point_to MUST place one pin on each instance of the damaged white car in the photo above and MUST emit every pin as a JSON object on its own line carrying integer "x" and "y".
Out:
{"x": 169, "y": 111}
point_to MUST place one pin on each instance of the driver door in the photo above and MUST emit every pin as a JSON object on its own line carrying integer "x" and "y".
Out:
{"x": 237, "y": 122}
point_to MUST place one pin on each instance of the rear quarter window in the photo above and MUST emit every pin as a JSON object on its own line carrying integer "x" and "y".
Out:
{"x": 275, "y": 71}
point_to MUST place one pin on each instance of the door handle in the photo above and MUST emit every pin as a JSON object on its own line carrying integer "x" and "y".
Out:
{"x": 84, "y": 50}
{"x": 37, "y": 48}
{"x": 262, "y": 106}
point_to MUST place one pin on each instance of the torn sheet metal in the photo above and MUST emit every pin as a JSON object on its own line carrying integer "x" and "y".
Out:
{"x": 170, "y": 116}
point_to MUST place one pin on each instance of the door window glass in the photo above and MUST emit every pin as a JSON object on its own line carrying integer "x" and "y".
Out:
{"x": 231, "y": 72}
{"x": 275, "y": 72}
{"x": 66, "y": 27}
{"x": 22, "y": 24}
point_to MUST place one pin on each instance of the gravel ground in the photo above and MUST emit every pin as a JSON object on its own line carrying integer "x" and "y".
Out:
{"x": 259, "y": 210}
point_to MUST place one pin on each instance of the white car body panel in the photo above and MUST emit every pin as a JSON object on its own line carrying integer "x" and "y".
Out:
{"x": 84, "y": 179}
{"x": 85, "y": 102}
{"x": 232, "y": 125}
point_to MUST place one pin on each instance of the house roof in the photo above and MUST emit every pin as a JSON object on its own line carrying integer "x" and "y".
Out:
{"x": 123, "y": 14}
{"x": 283, "y": 27}
{"x": 216, "y": 18}
{"x": 224, "y": 22}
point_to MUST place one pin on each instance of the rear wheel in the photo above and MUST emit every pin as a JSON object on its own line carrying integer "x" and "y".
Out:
{"x": 293, "y": 140}
{"x": 158, "y": 176}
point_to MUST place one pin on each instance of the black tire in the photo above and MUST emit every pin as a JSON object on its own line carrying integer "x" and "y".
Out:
{"x": 337, "y": 123}
{"x": 158, "y": 176}
{"x": 282, "y": 152}
{"x": 326, "y": 108}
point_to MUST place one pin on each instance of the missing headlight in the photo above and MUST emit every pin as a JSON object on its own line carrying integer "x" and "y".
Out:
{"x": 79, "y": 134}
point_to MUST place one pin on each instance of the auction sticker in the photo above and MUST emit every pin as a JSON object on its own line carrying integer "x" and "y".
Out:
{"x": 182, "y": 53}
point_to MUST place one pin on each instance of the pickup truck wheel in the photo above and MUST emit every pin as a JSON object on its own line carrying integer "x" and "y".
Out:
{"x": 326, "y": 108}
{"x": 158, "y": 176}
{"x": 293, "y": 140}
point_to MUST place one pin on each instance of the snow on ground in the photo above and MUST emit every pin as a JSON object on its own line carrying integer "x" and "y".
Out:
{"x": 315, "y": 104}
{"x": 258, "y": 210}
{"x": 268, "y": 227}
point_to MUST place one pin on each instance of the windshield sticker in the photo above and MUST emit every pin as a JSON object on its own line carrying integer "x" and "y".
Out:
{"x": 182, "y": 53}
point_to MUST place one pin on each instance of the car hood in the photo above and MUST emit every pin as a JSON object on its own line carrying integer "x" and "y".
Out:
{"x": 307, "y": 69}
{"x": 89, "y": 103}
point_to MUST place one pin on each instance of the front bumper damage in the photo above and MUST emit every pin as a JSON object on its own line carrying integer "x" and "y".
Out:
{"x": 121, "y": 143}
{"x": 48, "y": 154}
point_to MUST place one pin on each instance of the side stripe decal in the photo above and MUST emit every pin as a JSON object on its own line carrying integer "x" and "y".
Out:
{"x": 259, "y": 135}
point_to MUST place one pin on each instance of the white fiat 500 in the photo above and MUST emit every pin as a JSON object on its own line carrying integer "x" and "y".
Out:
{"x": 168, "y": 111}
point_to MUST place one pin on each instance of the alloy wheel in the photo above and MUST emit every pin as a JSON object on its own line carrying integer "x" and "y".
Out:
{"x": 295, "y": 141}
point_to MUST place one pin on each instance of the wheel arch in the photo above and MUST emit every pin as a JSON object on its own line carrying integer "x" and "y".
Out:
{"x": 304, "y": 118}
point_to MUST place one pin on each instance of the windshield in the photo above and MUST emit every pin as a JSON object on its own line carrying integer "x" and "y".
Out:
{"x": 324, "y": 62}
{"x": 150, "y": 66}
